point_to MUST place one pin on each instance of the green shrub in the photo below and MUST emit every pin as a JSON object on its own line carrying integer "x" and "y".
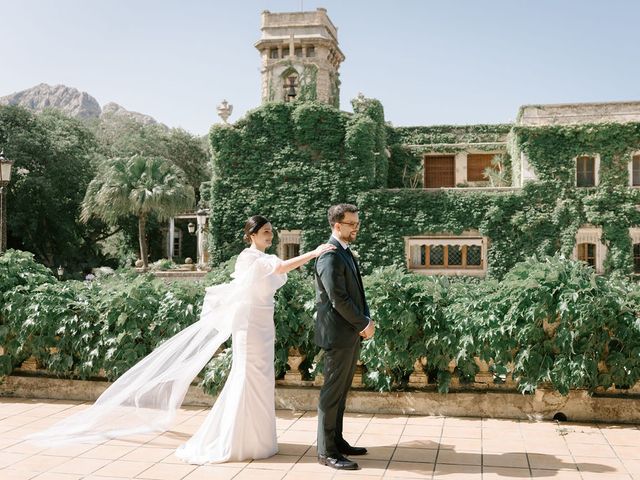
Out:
{"x": 20, "y": 268}
{"x": 551, "y": 322}
{"x": 54, "y": 322}
{"x": 397, "y": 303}
{"x": 411, "y": 315}
{"x": 17, "y": 269}
{"x": 294, "y": 321}
{"x": 557, "y": 321}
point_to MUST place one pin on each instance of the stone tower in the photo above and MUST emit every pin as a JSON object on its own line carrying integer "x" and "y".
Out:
{"x": 300, "y": 57}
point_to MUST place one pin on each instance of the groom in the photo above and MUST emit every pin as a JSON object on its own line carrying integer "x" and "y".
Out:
{"x": 342, "y": 318}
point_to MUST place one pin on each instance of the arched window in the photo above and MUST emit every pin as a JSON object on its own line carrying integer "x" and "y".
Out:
{"x": 289, "y": 244}
{"x": 590, "y": 248}
{"x": 587, "y": 253}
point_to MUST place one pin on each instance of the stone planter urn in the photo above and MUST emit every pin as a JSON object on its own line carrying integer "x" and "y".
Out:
{"x": 357, "y": 377}
{"x": 293, "y": 375}
{"x": 455, "y": 381}
{"x": 418, "y": 377}
{"x": 484, "y": 376}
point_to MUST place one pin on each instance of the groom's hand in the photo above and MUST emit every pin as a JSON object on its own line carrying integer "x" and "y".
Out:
{"x": 368, "y": 332}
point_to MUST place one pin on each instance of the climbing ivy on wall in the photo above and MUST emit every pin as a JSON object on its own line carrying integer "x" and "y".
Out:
{"x": 334, "y": 89}
{"x": 291, "y": 161}
{"x": 552, "y": 150}
{"x": 407, "y": 145}
{"x": 438, "y": 134}
{"x": 308, "y": 91}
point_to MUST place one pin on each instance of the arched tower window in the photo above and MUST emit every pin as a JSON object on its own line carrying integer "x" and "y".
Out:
{"x": 290, "y": 84}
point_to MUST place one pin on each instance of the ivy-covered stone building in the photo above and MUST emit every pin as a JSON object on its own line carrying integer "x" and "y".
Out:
{"x": 463, "y": 200}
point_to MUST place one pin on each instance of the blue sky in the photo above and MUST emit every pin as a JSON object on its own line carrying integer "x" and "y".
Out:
{"x": 429, "y": 62}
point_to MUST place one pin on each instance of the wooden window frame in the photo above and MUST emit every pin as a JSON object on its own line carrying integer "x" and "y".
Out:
{"x": 445, "y": 264}
{"x": 583, "y": 253}
{"x": 636, "y": 258}
{"x": 634, "y": 158}
{"x": 483, "y": 179}
{"x": 594, "y": 158}
{"x": 285, "y": 239}
{"x": 285, "y": 250}
{"x": 425, "y": 159}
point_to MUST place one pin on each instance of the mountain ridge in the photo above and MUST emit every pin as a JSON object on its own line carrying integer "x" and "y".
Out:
{"x": 72, "y": 102}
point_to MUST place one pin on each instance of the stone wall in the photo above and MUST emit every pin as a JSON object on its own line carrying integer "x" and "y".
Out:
{"x": 487, "y": 396}
{"x": 578, "y": 406}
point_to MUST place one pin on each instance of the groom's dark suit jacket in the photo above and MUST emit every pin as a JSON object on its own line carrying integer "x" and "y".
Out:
{"x": 342, "y": 311}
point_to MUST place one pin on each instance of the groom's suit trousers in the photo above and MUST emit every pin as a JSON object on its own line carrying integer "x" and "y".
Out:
{"x": 339, "y": 368}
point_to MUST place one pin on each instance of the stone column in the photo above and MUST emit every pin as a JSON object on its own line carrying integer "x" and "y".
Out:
{"x": 200, "y": 223}
{"x": 171, "y": 234}
{"x": 291, "y": 47}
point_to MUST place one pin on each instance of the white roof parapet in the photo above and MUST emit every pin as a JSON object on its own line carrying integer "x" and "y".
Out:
{"x": 455, "y": 145}
{"x": 579, "y": 113}
{"x": 306, "y": 27}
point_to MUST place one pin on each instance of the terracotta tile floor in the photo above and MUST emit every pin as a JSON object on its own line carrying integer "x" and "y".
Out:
{"x": 400, "y": 447}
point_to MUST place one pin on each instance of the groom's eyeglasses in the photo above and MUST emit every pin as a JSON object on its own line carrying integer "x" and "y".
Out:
{"x": 352, "y": 224}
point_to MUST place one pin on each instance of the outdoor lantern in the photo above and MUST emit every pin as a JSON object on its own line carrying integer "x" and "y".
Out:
{"x": 5, "y": 176}
{"x": 5, "y": 168}
{"x": 192, "y": 228}
{"x": 201, "y": 217}
{"x": 60, "y": 271}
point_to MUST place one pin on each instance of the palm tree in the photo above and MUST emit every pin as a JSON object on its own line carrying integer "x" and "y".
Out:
{"x": 138, "y": 186}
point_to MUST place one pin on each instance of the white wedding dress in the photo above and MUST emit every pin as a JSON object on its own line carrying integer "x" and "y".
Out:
{"x": 241, "y": 424}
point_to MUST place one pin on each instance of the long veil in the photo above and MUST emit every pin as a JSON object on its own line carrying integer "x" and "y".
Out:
{"x": 145, "y": 398}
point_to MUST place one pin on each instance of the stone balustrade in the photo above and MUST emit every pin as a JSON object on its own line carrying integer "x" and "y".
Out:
{"x": 485, "y": 379}
{"x": 486, "y": 396}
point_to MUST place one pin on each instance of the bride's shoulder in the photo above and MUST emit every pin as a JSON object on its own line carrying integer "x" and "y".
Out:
{"x": 248, "y": 256}
{"x": 250, "y": 253}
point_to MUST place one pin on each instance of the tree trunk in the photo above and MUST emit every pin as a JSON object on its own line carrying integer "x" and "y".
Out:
{"x": 143, "y": 241}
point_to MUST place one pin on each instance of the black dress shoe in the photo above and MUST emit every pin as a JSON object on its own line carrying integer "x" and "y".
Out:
{"x": 338, "y": 462}
{"x": 349, "y": 450}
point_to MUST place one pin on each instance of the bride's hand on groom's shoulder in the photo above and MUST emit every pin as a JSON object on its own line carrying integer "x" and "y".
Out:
{"x": 325, "y": 247}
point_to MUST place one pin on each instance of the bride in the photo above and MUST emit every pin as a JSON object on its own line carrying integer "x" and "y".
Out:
{"x": 241, "y": 424}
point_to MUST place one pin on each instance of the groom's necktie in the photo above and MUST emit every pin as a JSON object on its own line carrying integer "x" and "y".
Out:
{"x": 350, "y": 255}
{"x": 353, "y": 264}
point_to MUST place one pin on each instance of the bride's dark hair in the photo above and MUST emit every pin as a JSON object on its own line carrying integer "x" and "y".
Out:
{"x": 252, "y": 225}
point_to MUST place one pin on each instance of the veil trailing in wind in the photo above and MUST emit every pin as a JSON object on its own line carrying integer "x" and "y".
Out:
{"x": 145, "y": 398}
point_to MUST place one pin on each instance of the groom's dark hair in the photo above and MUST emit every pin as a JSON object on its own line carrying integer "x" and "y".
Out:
{"x": 336, "y": 212}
